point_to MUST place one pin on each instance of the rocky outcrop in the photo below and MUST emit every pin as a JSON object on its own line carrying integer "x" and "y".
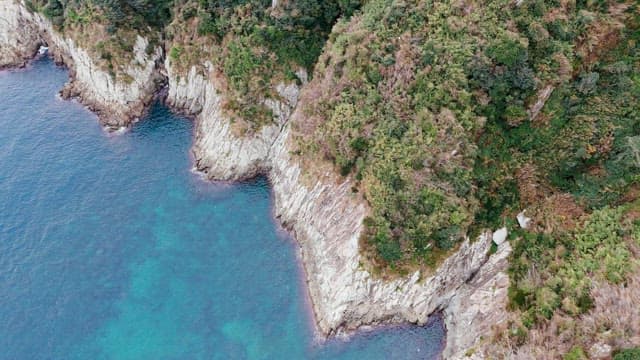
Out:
{"x": 117, "y": 102}
{"x": 219, "y": 152}
{"x": 19, "y": 35}
{"x": 541, "y": 99}
{"x": 324, "y": 214}
{"x": 325, "y": 217}
{"x": 478, "y": 306}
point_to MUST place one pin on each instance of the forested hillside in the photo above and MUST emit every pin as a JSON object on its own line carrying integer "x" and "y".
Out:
{"x": 451, "y": 117}
{"x": 454, "y": 116}
{"x": 253, "y": 45}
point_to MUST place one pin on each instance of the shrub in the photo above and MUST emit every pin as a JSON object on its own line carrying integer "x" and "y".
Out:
{"x": 588, "y": 82}
{"x": 576, "y": 353}
{"x": 509, "y": 52}
{"x": 627, "y": 354}
{"x": 175, "y": 53}
{"x": 515, "y": 115}
{"x": 388, "y": 248}
{"x": 597, "y": 250}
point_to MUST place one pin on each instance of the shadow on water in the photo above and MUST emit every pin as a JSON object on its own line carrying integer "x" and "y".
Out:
{"x": 111, "y": 248}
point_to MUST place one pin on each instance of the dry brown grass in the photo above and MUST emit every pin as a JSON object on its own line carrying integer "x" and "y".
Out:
{"x": 529, "y": 185}
{"x": 614, "y": 320}
{"x": 559, "y": 212}
{"x": 602, "y": 35}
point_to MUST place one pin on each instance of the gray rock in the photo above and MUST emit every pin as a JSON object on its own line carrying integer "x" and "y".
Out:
{"x": 500, "y": 236}
{"x": 322, "y": 212}
{"x": 600, "y": 351}
{"x": 118, "y": 103}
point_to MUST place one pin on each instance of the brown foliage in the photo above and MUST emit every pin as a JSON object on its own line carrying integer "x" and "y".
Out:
{"x": 602, "y": 35}
{"x": 529, "y": 185}
{"x": 614, "y": 320}
{"x": 559, "y": 212}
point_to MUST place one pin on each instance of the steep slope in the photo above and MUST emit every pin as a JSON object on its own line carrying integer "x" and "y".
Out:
{"x": 344, "y": 295}
{"x": 17, "y": 47}
{"x": 322, "y": 211}
{"x": 115, "y": 81}
{"x": 448, "y": 118}
{"x": 421, "y": 125}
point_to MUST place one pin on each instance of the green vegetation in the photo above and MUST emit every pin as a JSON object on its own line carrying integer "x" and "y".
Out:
{"x": 434, "y": 116}
{"x": 586, "y": 148}
{"x": 449, "y": 116}
{"x": 627, "y": 354}
{"x": 175, "y": 53}
{"x": 108, "y": 28}
{"x": 555, "y": 272}
{"x": 129, "y": 14}
{"x": 575, "y": 169}
{"x": 576, "y": 353}
{"x": 583, "y": 141}
{"x": 295, "y": 32}
{"x": 254, "y": 45}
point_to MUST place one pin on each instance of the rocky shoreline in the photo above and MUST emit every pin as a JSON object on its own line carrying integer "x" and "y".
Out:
{"x": 324, "y": 216}
{"x": 116, "y": 102}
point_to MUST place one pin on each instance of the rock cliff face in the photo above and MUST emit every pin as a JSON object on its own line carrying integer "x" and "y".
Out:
{"x": 326, "y": 219}
{"x": 118, "y": 103}
{"x": 220, "y": 153}
{"x": 323, "y": 214}
{"x": 476, "y": 307}
{"x": 19, "y": 35}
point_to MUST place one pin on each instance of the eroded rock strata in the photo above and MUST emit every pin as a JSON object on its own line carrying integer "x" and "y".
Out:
{"x": 118, "y": 103}
{"x": 323, "y": 214}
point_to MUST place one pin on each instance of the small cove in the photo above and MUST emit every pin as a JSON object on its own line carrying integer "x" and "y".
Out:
{"x": 110, "y": 248}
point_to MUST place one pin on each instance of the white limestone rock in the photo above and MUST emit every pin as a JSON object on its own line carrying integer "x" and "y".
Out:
{"x": 500, "y": 236}
{"x": 478, "y": 306}
{"x": 523, "y": 220}
{"x": 117, "y": 102}
{"x": 323, "y": 213}
{"x": 325, "y": 217}
{"x": 219, "y": 152}
{"x": 600, "y": 351}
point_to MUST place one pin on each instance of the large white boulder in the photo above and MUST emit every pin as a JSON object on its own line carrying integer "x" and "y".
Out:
{"x": 500, "y": 236}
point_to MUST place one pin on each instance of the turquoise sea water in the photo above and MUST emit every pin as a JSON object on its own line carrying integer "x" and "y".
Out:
{"x": 110, "y": 248}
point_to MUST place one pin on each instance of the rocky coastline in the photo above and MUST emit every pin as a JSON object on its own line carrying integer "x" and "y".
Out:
{"x": 469, "y": 288}
{"x": 117, "y": 103}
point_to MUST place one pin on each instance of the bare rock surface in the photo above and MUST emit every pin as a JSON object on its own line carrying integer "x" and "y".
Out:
{"x": 323, "y": 214}
{"x": 117, "y": 102}
{"x": 325, "y": 217}
{"x": 19, "y": 35}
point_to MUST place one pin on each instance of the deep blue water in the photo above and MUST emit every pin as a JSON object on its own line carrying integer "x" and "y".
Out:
{"x": 110, "y": 248}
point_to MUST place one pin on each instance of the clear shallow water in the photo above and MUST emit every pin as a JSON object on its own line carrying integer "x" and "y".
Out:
{"x": 110, "y": 248}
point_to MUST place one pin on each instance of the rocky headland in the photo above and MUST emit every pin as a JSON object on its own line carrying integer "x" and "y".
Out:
{"x": 325, "y": 217}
